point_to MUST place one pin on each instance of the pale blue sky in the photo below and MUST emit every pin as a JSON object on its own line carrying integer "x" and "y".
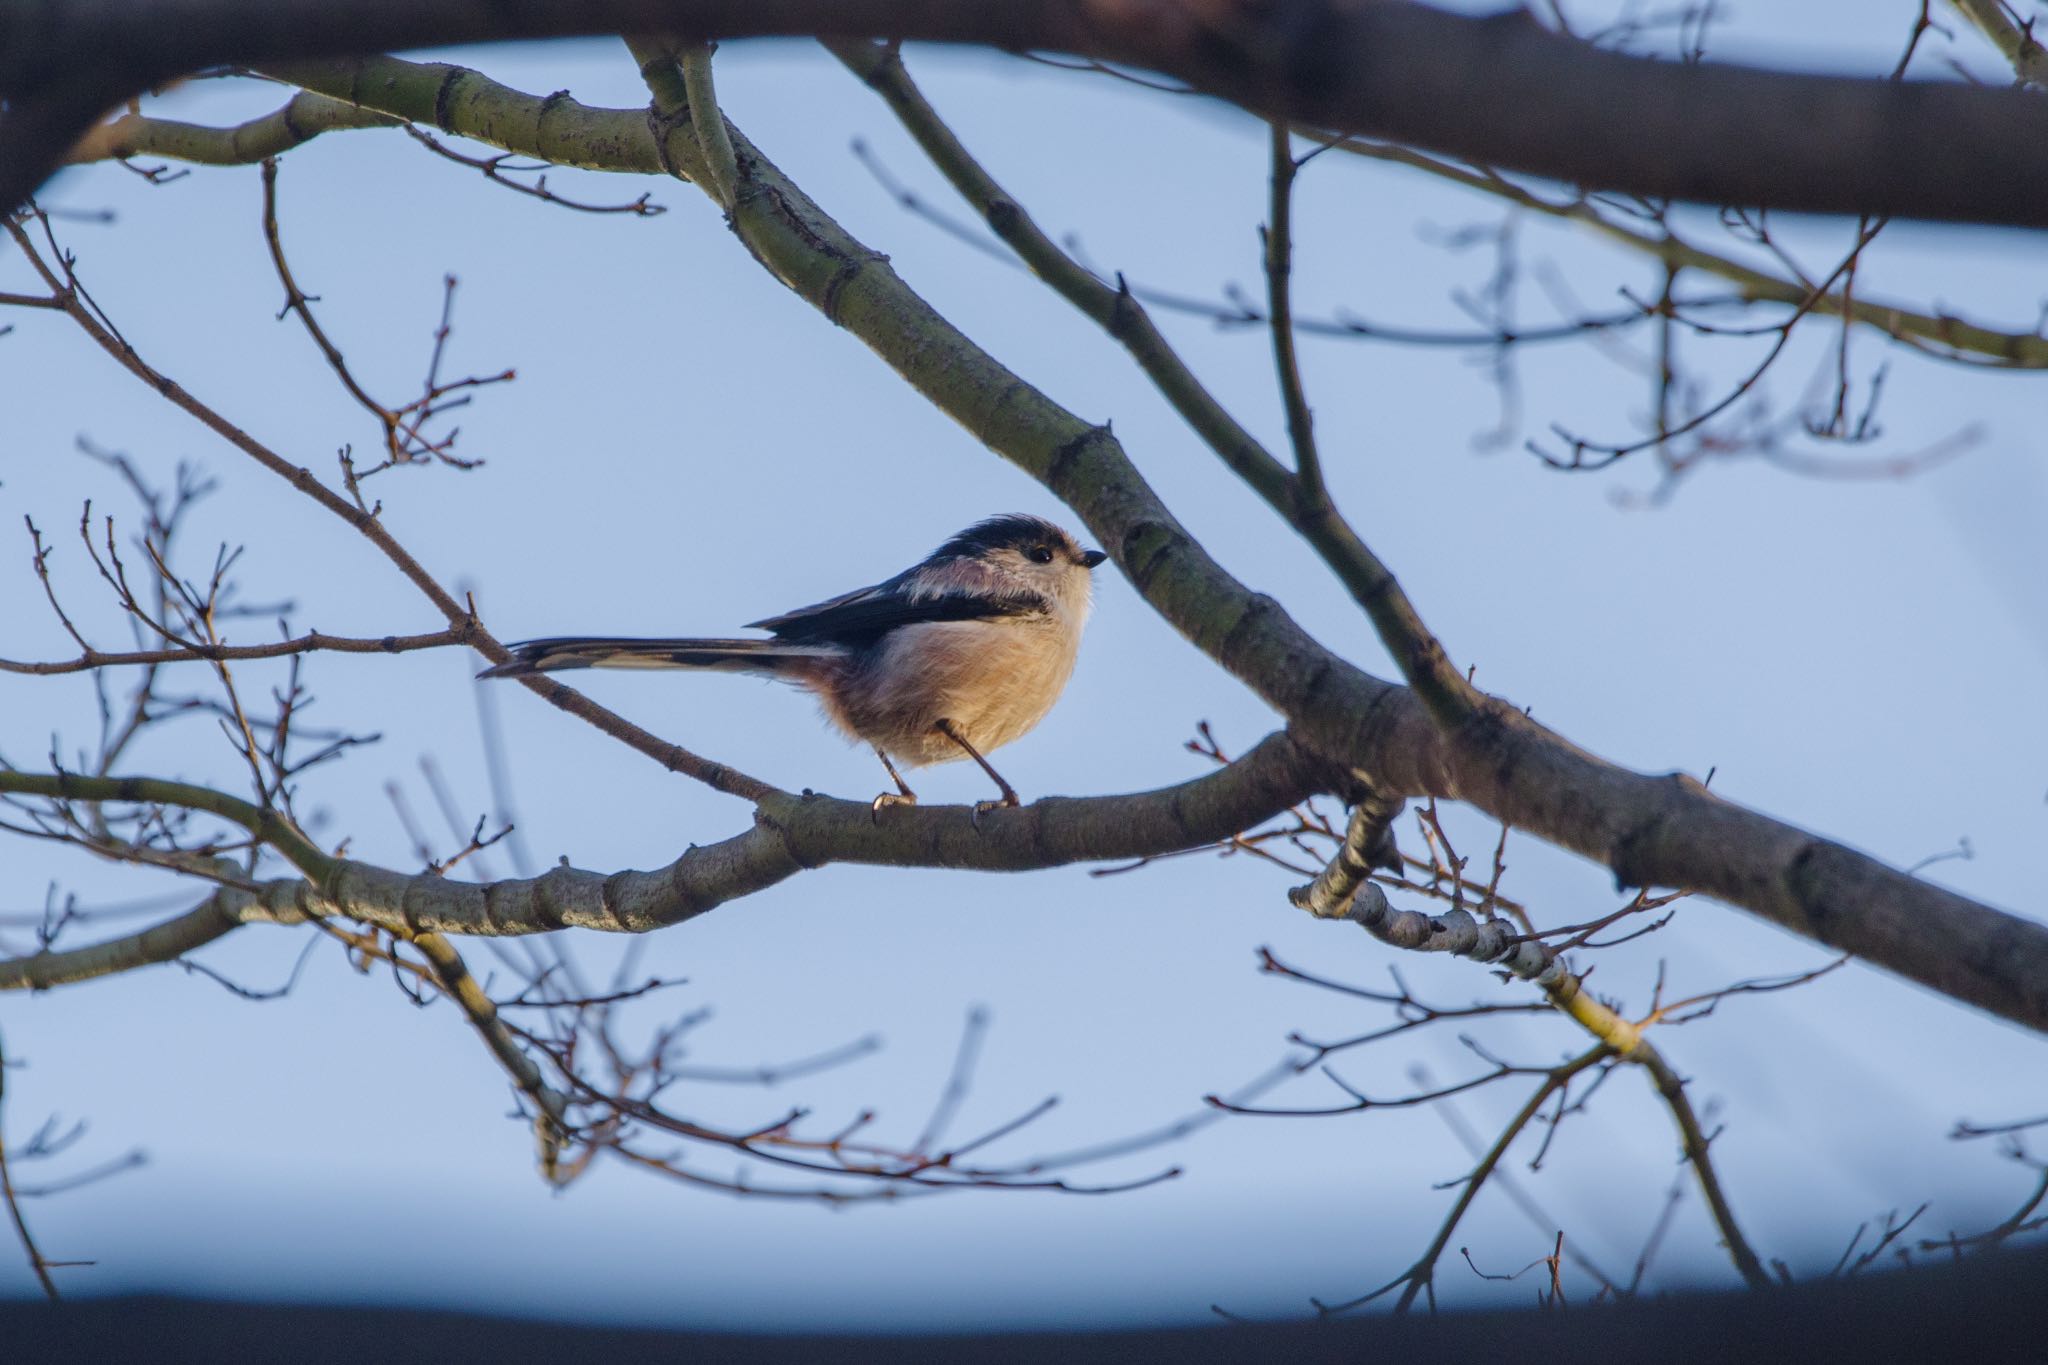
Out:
{"x": 688, "y": 447}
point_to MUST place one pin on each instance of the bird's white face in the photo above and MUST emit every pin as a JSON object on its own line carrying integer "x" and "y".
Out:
{"x": 1014, "y": 557}
{"x": 1052, "y": 566}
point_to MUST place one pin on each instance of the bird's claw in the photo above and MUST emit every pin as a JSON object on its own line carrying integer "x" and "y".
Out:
{"x": 1008, "y": 800}
{"x": 890, "y": 799}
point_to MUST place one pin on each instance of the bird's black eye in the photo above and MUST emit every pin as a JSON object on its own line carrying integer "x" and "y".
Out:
{"x": 1039, "y": 554}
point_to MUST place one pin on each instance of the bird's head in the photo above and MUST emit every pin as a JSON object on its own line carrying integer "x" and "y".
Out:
{"x": 1025, "y": 552}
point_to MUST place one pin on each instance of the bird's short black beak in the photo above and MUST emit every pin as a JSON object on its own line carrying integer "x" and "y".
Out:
{"x": 1090, "y": 558}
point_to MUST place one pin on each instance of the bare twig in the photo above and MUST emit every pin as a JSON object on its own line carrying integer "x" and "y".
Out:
{"x": 36, "y": 1261}
{"x": 460, "y": 616}
{"x": 504, "y": 168}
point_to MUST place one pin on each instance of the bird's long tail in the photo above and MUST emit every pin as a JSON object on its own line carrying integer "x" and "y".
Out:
{"x": 773, "y": 658}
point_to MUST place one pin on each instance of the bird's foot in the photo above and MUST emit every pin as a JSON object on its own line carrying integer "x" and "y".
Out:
{"x": 890, "y": 799}
{"x": 1008, "y": 800}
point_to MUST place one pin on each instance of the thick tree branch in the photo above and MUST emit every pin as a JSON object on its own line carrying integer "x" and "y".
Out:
{"x": 221, "y": 913}
{"x": 721, "y": 173}
{"x": 556, "y": 129}
{"x": 302, "y": 118}
{"x": 1500, "y": 90}
{"x": 790, "y": 834}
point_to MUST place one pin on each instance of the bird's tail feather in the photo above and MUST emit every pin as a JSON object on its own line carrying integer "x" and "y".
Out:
{"x": 775, "y": 658}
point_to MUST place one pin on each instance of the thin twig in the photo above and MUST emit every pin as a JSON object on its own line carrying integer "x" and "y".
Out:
{"x": 36, "y": 1261}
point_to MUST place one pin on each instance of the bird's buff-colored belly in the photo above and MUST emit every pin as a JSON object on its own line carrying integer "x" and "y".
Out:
{"x": 992, "y": 680}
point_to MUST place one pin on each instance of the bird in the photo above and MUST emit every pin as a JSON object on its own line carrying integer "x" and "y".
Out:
{"x": 951, "y": 659}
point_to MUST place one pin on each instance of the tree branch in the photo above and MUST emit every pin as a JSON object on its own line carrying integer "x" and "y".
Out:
{"x": 1279, "y": 233}
{"x": 37, "y": 1262}
{"x": 311, "y": 642}
{"x": 301, "y": 119}
{"x": 2015, "y": 42}
{"x": 224, "y": 911}
{"x": 551, "y": 1106}
{"x": 1937, "y": 334}
{"x": 1498, "y": 89}
{"x": 791, "y": 833}
{"x": 266, "y": 825}
{"x": 1460, "y": 934}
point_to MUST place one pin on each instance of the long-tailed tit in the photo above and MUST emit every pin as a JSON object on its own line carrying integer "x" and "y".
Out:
{"x": 950, "y": 659}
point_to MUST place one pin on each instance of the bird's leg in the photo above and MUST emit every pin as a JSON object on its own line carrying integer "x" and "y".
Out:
{"x": 902, "y": 796}
{"x": 946, "y": 728}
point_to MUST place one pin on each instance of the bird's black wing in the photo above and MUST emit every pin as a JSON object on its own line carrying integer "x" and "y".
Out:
{"x": 860, "y": 618}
